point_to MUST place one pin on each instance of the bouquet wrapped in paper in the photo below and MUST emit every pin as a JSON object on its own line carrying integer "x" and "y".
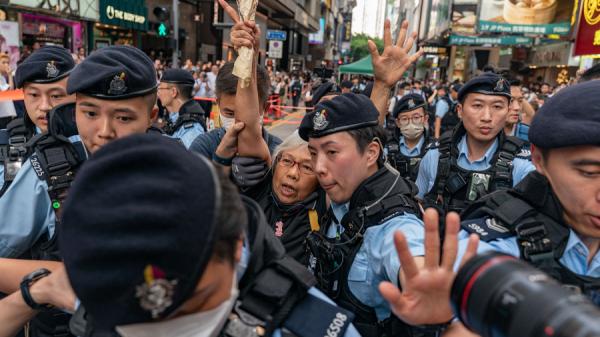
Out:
{"x": 243, "y": 65}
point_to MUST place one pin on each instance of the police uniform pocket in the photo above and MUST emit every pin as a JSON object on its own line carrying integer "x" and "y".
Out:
{"x": 359, "y": 270}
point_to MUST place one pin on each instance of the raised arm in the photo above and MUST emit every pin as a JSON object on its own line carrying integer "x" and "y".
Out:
{"x": 389, "y": 67}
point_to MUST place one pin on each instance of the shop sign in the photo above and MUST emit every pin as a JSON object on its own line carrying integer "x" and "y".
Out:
{"x": 550, "y": 55}
{"x": 279, "y": 35}
{"x": 434, "y": 50}
{"x": 125, "y": 13}
{"x": 506, "y": 40}
{"x": 68, "y": 7}
{"x": 464, "y": 16}
{"x": 588, "y": 36}
{"x": 521, "y": 17}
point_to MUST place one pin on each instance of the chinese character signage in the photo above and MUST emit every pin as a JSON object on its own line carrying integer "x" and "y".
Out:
{"x": 504, "y": 40}
{"x": 526, "y": 17}
{"x": 588, "y": 36}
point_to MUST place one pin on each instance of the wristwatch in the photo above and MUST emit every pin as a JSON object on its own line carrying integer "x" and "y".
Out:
{"x": 27, "y": 282}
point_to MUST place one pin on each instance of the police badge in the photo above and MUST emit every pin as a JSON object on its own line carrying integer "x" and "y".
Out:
{"x": 51, "y": 70}
{"x": 499, "y": 85}
{"x": 320, "y": 121}
{"x": 411, "y": 104}
{"x": 117, "y": 85}
{"x": 156, "y": 294}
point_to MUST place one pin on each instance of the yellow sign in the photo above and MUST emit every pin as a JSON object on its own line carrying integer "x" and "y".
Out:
{"x": 591, "y": 11}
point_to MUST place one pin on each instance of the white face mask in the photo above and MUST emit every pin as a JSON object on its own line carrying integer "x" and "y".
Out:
{"x": 412, "y": 131}
{"x": 227, "y": 122}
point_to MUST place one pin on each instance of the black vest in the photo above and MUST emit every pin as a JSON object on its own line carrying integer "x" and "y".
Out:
{"x": 190, "y": 112}
{"x": 55, "y": 160}
{"x": 450, "y": 119}
{"x": 13, "y": 149}
{"x": 531, "y": 213}
{"x": 455, "y": 188}
{"x": 407, "y": 166}
{"x": 272, "y": 293}
{"x": 381, "y": 197}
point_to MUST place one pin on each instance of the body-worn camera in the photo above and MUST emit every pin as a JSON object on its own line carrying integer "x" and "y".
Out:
{"x": 497, "y": 295}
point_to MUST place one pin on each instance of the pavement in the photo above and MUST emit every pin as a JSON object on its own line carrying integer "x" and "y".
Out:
{"x": 285, "y": 126}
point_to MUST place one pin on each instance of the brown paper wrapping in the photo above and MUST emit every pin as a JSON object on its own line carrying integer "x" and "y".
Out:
{"x": 243, "y": 65}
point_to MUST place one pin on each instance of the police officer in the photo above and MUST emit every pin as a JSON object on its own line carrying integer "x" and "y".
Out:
{"x": 115, "y": 93}
{"x": 43, "y": 77}
{"x": 229, "y": 276}
{"x": 476, "y": 158}
{"x": 446, "y": 117}
{"x": 187, "y": 119}
{"x": 552, "y": 218}
{"x": 410, "y": 140}
{"x": 369, "y": 201}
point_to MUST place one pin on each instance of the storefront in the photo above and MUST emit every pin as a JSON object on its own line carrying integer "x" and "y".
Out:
{"x": 553, "y": 63}
{"x": 121, "y": 23}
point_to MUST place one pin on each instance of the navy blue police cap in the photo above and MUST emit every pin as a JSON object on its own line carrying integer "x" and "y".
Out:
{"x": 342, "y": 113}
{"x": 178, "y": 76}
{"x": 488, "y": 84}
{"x": 325, "y": 89}
{"x": 408, "y": 103}
{"x": 46, "y": 65}
{"x": 569, "y": 118}
{"x": 130, "y": 256}
{"x": 115, "y": 72}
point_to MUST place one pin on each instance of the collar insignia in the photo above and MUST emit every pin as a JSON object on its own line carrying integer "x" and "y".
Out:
{"x": 117, "y": 85}
{"x": 156, "y": 293}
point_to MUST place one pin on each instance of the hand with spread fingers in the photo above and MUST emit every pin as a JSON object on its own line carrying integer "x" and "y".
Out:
{"x": 427, "y": 281}
{"x": 389, "y": 66}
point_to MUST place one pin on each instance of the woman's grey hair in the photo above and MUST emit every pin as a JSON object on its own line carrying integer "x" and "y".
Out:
{"x": 292, "y": 142}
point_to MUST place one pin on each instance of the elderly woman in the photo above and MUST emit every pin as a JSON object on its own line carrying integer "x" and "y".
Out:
{"x": 290, "y": 196}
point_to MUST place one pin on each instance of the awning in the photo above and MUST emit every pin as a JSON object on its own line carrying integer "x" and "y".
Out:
{"x": 362, "y": 66}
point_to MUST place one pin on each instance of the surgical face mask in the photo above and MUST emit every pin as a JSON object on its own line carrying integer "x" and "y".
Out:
{"x": 412, "y": 131}
{"x": 227, "y": 122}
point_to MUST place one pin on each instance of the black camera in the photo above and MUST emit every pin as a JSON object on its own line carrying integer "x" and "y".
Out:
{"x": 497, "y": 295}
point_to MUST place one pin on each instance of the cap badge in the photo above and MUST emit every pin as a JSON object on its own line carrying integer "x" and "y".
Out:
{"x": 51, "y": 70}
{"x": 117, "y": 85}
{"x": 320, "y": 121}
{"x": 411, "y": 104}
{"x": 156, "y": 294}
{"x": 499, "y": 85}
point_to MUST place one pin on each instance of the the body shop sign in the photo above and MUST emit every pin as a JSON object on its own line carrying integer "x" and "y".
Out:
{"x": 588, "y": 36}
{"x": 125, "y": 13}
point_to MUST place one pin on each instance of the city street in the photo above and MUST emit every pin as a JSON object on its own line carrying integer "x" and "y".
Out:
{"x": 285, "y": 126}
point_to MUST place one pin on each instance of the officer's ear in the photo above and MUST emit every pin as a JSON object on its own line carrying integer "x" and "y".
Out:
{"x": 374, "y": 151}
{"x": 238, "y": 249}
{"x": 459, "y": 110}
{"x": 539, "y": 159}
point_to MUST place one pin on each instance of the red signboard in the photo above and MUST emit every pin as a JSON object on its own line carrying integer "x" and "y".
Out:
{"x": 588, "y": 36}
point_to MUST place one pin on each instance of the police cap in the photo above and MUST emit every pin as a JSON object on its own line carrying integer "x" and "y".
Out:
{"x": 408, "y": 103}
{"x": 342, "y": 113}
{"x": 130, "y": 256}
{"x": 569, "y": 118}
{"x": 325, "y": 89}
{"x": 178, "y": 76}
{"x": 46, "y": 65}
{"x": 115, "y": 72}
{"x": 488, "y": 84}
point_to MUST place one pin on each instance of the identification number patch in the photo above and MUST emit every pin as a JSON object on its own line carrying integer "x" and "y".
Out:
{"x": 336, "y": 325}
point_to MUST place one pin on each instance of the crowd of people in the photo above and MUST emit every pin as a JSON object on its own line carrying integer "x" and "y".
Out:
{"x": 115, "y": 223}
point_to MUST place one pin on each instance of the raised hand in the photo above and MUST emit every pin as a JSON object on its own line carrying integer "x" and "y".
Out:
{"x": 243, "y": 33}
{"x": 389, "y": 66}
{"x": 425, "y": 294}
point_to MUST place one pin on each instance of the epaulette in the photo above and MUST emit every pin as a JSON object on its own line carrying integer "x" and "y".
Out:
{"x": 487, "y": 228}
{"x": 524, "y": 154}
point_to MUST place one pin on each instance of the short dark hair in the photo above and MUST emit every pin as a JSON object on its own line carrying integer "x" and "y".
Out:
{"x": 184, "y": 90}
{"x": 226, "y": 83}
{"x": 405, "y": 85}
{"x": 364, "y": 137}
{"x": 515, "y": 82}
{"x": 591, "y": 74}
{"x": 231, "y": 220}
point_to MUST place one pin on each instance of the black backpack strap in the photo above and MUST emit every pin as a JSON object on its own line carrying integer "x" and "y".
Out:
{"x": 510, "y": 147}
{"x": 443, "y": 170}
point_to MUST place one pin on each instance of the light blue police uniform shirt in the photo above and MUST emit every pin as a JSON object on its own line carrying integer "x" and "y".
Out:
{"x": 187, "y": 135}
{"x": 441, "y": 108}
{"x": 574, "y": 257}
{"x": 429, "y": 166}
{"x": 377, "y": 259}
{"x": 415, "y": 151}
{"x": 25, "y": 211}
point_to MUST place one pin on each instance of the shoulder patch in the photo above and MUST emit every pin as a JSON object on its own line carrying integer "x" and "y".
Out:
{"x": 524, "y": 154}
{"x": 326, "y": 319}
{"x": 487, "y": 228}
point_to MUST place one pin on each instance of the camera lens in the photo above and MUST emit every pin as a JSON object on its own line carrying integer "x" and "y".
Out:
{"x": 497, "y": 295}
